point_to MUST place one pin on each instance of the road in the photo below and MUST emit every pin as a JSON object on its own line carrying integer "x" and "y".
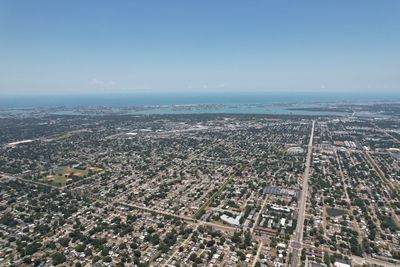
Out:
{"x": 185, "y": 218}
{"x": 298, "y": 238}
{"x": 259, "y": 214}
{"x": 378, "y": 170}
{"x": 345, "y": 185}
{"x": 177, "y": 249}
{"x": 393, "y": 187}
{"x": 370, "y": 260}
{"x": 118, "y": 202}
{"x": 14, "y": 177}
{"x": 258, "y": 253}
{"x": 356, "y": 260}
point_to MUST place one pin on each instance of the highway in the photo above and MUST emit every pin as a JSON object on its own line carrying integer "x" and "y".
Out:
{"x": 296, "y": 242}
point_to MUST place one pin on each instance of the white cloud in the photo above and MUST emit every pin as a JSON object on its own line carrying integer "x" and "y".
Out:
{"x": 102, "y": 83}
{"x": 214, "y": 86}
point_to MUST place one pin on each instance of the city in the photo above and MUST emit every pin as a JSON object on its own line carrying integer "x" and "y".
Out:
{"x": 200, "y": 190}
{"x": 212, "y": 133}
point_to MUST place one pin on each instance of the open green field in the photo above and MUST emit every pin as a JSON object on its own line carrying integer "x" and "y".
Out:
{"x": 63, "y": 175}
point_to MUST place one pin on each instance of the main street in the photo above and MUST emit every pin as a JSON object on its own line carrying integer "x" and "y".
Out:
{"x": 296, "y": 242}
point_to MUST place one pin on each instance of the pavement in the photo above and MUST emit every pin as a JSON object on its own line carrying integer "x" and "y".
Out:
{"x": 296, "y": 242}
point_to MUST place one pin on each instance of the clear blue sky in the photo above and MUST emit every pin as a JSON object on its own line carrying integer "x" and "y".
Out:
{"x": 126, "y": 46}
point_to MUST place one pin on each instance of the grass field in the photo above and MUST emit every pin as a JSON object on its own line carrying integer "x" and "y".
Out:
{"x": 63, "y": 175}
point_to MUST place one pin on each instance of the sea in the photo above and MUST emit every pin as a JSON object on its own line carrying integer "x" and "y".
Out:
{"x": 169, "y": 103}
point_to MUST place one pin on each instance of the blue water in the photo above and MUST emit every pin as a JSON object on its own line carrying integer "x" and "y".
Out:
{"x": 121, "y": 100}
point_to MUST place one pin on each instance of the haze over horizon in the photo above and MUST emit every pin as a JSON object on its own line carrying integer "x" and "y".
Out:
{"x": 75, "y": 47}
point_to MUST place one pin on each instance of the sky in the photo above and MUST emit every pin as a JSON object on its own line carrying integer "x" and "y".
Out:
{"x": 95, "y": 46}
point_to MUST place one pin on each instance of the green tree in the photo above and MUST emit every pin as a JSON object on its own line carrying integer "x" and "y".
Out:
{"x": 58, "y": 258}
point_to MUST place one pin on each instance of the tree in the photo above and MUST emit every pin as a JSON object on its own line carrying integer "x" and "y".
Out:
{"x": 327, "y": 259}
{"x": 27, "y": 260}
{"x": 247, "y": 238}
{"x": 80, "y": 248}
{"x": 58, "y": 258}
{"x": 137, "y": 253}
{"x": 236, "y": 237}
{"x": 107, "y": 259}
{"x": 105, "y": 251}
{"x": 193, "y": 257}
{"x": 32, "y": 248}
{"x": 64, "y": 241}
{"x": 355, "y": 247}
{"x": 155, "y": 239}
{"x": 163, "y": 247}
{"x": 8, "y": 220}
